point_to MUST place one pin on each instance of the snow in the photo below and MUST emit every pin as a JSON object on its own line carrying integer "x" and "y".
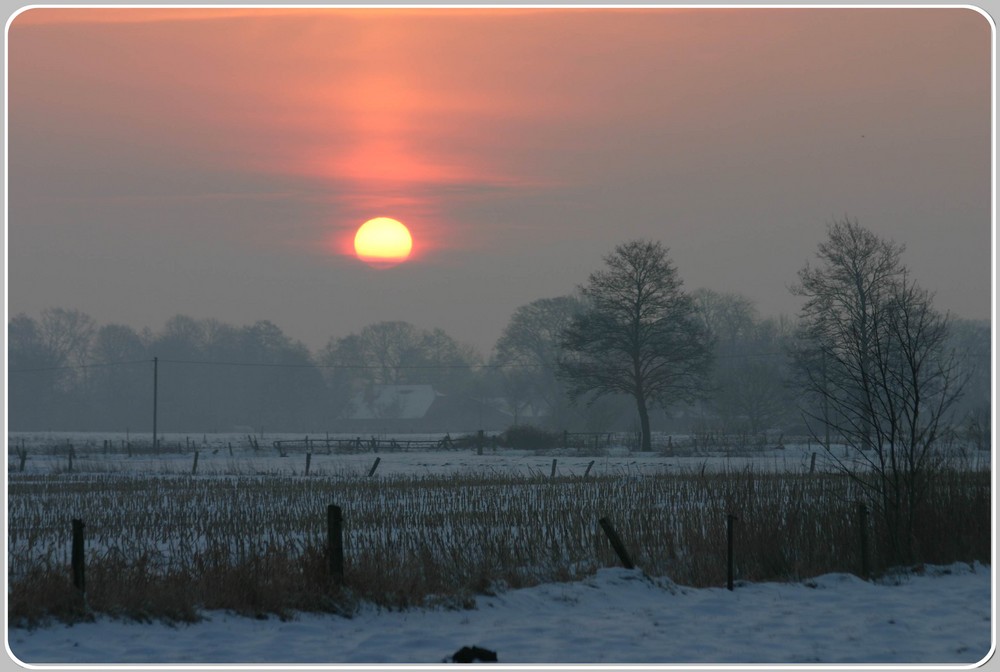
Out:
{"x": 215, "y": 458}
{"x": 617, "y": 616}
{"x": 47, "y": 454}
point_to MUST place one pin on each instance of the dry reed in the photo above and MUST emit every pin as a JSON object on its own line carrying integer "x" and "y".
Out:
{"x": 169, "y": 546}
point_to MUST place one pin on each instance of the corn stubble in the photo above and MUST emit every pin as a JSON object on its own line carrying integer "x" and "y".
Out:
{"x": 167, "y": 547}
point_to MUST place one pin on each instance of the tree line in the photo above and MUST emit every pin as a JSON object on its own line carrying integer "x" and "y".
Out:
{"x": 630, "y": 349}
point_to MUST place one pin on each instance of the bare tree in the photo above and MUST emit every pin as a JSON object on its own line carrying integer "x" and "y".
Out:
{"x": 121, "y": 380}
{"x": 393, "y": 353}
{"x": 729, "y": 317}
{"x": 528, "y": 351}
{"x": 36, "y": 372}
{"x": 873, "y": 355}
{"x": 639, "y": 334}
{"x": 748, "y": 390}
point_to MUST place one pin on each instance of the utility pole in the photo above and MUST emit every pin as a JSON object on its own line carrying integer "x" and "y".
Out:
{"x": 156, "y": 363}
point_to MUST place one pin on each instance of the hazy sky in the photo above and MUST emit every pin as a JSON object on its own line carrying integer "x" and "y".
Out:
{"x": 216, "y": 163}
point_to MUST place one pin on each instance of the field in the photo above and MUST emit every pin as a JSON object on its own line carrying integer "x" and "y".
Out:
{"x": 247, "y": 531}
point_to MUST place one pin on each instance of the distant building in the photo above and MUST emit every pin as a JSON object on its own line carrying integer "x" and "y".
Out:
{"x": 420, "y": 409}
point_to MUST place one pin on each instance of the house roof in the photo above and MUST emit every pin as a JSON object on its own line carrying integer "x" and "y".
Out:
{"x": 421, "y": 408}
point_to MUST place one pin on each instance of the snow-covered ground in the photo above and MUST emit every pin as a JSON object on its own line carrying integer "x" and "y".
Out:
{"x": 215, "y": 458}
{"x": 941, "y": 617}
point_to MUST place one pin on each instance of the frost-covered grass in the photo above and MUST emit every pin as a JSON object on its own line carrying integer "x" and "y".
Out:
{"x": 169, "y": 544}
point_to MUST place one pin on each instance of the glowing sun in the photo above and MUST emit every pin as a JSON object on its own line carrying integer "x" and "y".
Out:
{"x": 382, "y": 242}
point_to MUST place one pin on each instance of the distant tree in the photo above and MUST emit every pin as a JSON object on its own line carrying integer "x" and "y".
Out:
{"x": 342, "y": 365}
{"x": 285, "y": 390}
{"x": 68, "y": 334}
{"x": 387, "y": 347}
{"x": 122, "y": 378}
{"x": 748, "y": 389}
{"x": 35, "y": 375}
{"x": 527, "y": 356}
{"x": 729, "y": 317}
{"x": 443, "y": 362}
{"x": 396, "y": 352}
{"x": 187, "y": 389}
{"x": 213, "y": 376}
{"x": 638, "y": 335}
{"x": 873, "y": 355}
{"x": 971, "y": 341}
{"x": 68, "y": 374}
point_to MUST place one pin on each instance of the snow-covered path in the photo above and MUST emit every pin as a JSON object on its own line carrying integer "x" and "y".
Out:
{"x": 942, "y": 617}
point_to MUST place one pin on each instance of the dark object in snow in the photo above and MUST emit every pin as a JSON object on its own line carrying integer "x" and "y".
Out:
{"x": 473, "y": 654}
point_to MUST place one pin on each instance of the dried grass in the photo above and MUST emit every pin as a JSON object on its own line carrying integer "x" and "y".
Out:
{"x": 168, "y": 546}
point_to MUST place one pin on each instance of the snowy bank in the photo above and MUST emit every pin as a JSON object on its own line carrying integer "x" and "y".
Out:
{"x": 941, "y": 616}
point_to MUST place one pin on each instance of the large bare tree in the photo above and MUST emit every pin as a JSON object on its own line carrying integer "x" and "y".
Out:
{"x": 874, "y": 358}
{"x": 639, "y": 334}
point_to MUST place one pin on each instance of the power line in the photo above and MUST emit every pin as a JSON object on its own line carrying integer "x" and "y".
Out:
{"x": 395, "y": 367}
{"x": 310, "y": 365}
{"x": 68, "y": 367}
{"x": 375, "y": 367}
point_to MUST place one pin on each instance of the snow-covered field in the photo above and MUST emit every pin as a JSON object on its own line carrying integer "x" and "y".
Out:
{"x": 942, "y": 616}
{"x": 215, "y": 458}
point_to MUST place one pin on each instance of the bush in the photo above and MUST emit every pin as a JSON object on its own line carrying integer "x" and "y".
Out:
{"x": 526, "y": 436}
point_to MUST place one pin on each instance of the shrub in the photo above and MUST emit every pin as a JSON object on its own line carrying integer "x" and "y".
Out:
{"x": 532, "y": 438}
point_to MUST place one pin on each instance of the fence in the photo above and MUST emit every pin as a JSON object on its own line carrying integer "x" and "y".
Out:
{"x": 370, "y": 445}
{"x": 335, "y": 557}
{"x": 260, "y": 544}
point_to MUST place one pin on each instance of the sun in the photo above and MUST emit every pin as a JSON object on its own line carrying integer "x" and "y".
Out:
{"x": 382, "y": 242}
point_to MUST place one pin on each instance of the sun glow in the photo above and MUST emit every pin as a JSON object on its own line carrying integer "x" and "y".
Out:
{"x": 382, "y": 242}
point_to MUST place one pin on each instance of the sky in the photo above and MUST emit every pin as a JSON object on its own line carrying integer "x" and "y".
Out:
{"x": 217, "y": 162}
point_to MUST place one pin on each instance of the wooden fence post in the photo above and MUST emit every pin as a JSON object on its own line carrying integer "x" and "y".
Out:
{"x": 589, "y": 467}
{"x": 335, "y": 542}
{"x": 812, "y": 464}
{"x": 371, "y": 472}
{"x": 863, "y": 539}
{"x": 194, "y": 467}
{"x": 729, "y": 550}
{"x": 309, "y": 457}
{"x": 79, "y": 578}
{"x": 616, "y": 543}
{"x": 553, "y": 474}
{"x": 71, "y": 451}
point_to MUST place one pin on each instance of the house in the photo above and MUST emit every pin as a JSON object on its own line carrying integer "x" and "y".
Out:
{"x": 420, "y": 409}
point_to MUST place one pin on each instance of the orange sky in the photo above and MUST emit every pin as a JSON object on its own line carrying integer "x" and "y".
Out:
{"x": 272, "y": 134}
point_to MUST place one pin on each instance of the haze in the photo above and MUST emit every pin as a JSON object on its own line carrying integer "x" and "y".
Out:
{"x": 214, "y": 162}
